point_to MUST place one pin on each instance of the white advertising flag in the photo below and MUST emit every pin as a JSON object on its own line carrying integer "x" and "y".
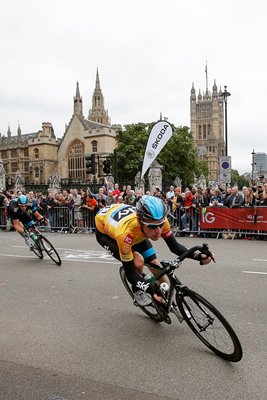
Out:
{"x": 159, "y": 136}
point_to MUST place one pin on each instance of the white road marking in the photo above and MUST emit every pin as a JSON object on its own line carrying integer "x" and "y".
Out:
{"x": 75, "y": 259}
{"x": 255, "y": 272}
{"x": 259, "y": 259}
{"x": 74, "y": 255}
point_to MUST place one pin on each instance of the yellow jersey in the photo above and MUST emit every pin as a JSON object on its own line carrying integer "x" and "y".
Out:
{"x": 120, "y": 222}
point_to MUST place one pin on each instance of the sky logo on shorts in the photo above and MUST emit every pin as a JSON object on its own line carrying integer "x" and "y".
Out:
{"x": 128, "y": 239}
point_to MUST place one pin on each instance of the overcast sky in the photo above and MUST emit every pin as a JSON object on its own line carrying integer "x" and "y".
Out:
{"x": 148, "y": 53}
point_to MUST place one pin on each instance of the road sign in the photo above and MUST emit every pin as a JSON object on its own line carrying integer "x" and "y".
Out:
{"x": 225, "y": 177}
{"x": 225, "y": 164}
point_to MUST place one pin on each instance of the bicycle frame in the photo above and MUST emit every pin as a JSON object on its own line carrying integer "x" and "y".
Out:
{"x": 42, "y": 244}
{"x": 206, "y": 322}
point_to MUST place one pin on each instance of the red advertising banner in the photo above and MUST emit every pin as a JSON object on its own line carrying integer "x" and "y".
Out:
{"x": 234, "y": 218}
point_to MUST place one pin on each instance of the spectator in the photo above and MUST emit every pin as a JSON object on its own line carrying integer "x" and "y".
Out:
{"x": 51, "y": 214}
{"x": 130, "y": 197}
{"x": 216, "y": 199}
{"x": 69, "y": 202}
{"x": 263, "y": 196}
{"x": 100, "y": 198}
{"x": 169, "y": 197}
{"x": 3, "y": 198}
{"x": 200, "y": 200}
{"x": 42, "y": 205}
{"x": 110, "y": 199}
{"x": 89, "y": 208}
{"x": 187, "y": 216}
{"x": 116, "y": 192}
{"x": 207, "y": 193}
{"x": 235, "y": 200}
{"x": 249, "y": 198}
{"x": 78, "y": 219}
{"x": 138, "y": 195}
{"x": 177, "y": 203}
{"x": 157, "y": 192}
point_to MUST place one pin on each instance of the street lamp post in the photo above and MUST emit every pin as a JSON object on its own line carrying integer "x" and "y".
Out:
{"x": 224, "y": 95}
{"x": 253, "y": 165}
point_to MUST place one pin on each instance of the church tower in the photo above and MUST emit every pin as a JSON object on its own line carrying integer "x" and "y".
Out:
{"x": 98, "y": 113}
{"x": 207, "y": 126}
{"x": 78, "y": 102}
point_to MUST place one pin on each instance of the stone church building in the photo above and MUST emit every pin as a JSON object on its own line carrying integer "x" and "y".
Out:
{"x": 39, "y": 155}
{"x": 207, "y": 126}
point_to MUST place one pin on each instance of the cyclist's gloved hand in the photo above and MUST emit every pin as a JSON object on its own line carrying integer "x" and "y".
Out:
{"x": 204, "y": 259}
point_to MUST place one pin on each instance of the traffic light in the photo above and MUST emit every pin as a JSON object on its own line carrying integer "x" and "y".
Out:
{"x": 106, "y": 166}
{"x": 90, "y": 163}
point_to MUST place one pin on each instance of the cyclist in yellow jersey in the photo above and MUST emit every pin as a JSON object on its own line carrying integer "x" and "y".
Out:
{"x": 124, "y": 231}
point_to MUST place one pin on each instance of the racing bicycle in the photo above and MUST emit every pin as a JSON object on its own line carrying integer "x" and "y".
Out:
{"x": 40, "y": 244}
{"x": 207, "y": 323}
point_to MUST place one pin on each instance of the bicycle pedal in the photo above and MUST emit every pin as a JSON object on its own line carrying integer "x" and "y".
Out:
{"x": 167, "y": 320}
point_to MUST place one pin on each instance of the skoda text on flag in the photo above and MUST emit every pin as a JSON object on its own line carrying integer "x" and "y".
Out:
{"x": 159, "y": 136}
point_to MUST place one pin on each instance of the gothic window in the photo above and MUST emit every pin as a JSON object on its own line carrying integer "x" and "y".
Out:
{"x": 204, "y": 132}
{"x": 94, "y": 146}
{"x": 76, "y": 164}
{"x": 4, "y": 154}
{"x": 36, "y": 153}
{"x": 42, "y": 175}
{"x": 199, "y": 132}
{"x": 209, "y": 130}
{"x": 26, "y": 152}
{"x": 36, "y": 172}
{"x": 14, "y": 166}
{"x": 31, "y": 175}
{"x": 14, "y": 153}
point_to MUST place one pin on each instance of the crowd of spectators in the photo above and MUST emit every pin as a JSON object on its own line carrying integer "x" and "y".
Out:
{"x": 183, "y": 205}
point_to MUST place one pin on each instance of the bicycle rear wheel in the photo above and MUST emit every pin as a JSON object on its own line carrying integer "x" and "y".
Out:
{"x": 152, "y": 310}
{"x": 49, "y": 249}
{"x": 209, "y": 325}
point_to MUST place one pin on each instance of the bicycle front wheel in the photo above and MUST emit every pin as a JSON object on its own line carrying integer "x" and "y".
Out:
{"x": 37, "y": 250}
{"x": 209, "y": 325}
{"x": 49, "y": 249}
{"x": 152, "y": 310}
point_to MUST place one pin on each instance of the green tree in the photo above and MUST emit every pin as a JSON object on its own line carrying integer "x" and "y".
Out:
{"x": 238, "y": 180}
{"x": 178, "y": 157}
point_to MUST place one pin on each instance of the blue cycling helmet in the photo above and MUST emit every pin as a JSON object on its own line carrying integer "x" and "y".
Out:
{"x": 23, "y": 200}
{"x": 150, "y": 207}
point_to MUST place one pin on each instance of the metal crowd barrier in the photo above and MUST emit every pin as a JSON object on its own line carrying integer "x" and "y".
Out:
{"x": 188, "y": 223}
{"x": 3, "y": 217}
{"x": 63, "y": 219}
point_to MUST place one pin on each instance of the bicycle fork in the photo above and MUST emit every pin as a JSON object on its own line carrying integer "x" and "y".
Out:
{"x": 173, "y": 307}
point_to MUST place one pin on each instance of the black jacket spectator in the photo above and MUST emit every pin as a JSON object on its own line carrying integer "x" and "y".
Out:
{"x": 235, "y": 200}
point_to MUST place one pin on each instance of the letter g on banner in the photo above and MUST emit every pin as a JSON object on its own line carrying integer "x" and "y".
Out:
{"x": 209, "y": 217}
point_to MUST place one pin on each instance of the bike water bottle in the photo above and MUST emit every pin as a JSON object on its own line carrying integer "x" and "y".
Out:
{"x": 149, "y": 277}
{"x": 33, "y": 236}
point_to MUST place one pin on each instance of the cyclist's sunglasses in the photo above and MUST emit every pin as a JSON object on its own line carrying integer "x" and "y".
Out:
{"x": 154, "y": 226}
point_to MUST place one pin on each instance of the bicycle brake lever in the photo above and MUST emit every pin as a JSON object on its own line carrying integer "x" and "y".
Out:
{"x": 207, "y": 252}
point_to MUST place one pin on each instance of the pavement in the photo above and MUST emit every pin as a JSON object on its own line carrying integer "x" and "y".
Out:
{"x": 71, "y": 332}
